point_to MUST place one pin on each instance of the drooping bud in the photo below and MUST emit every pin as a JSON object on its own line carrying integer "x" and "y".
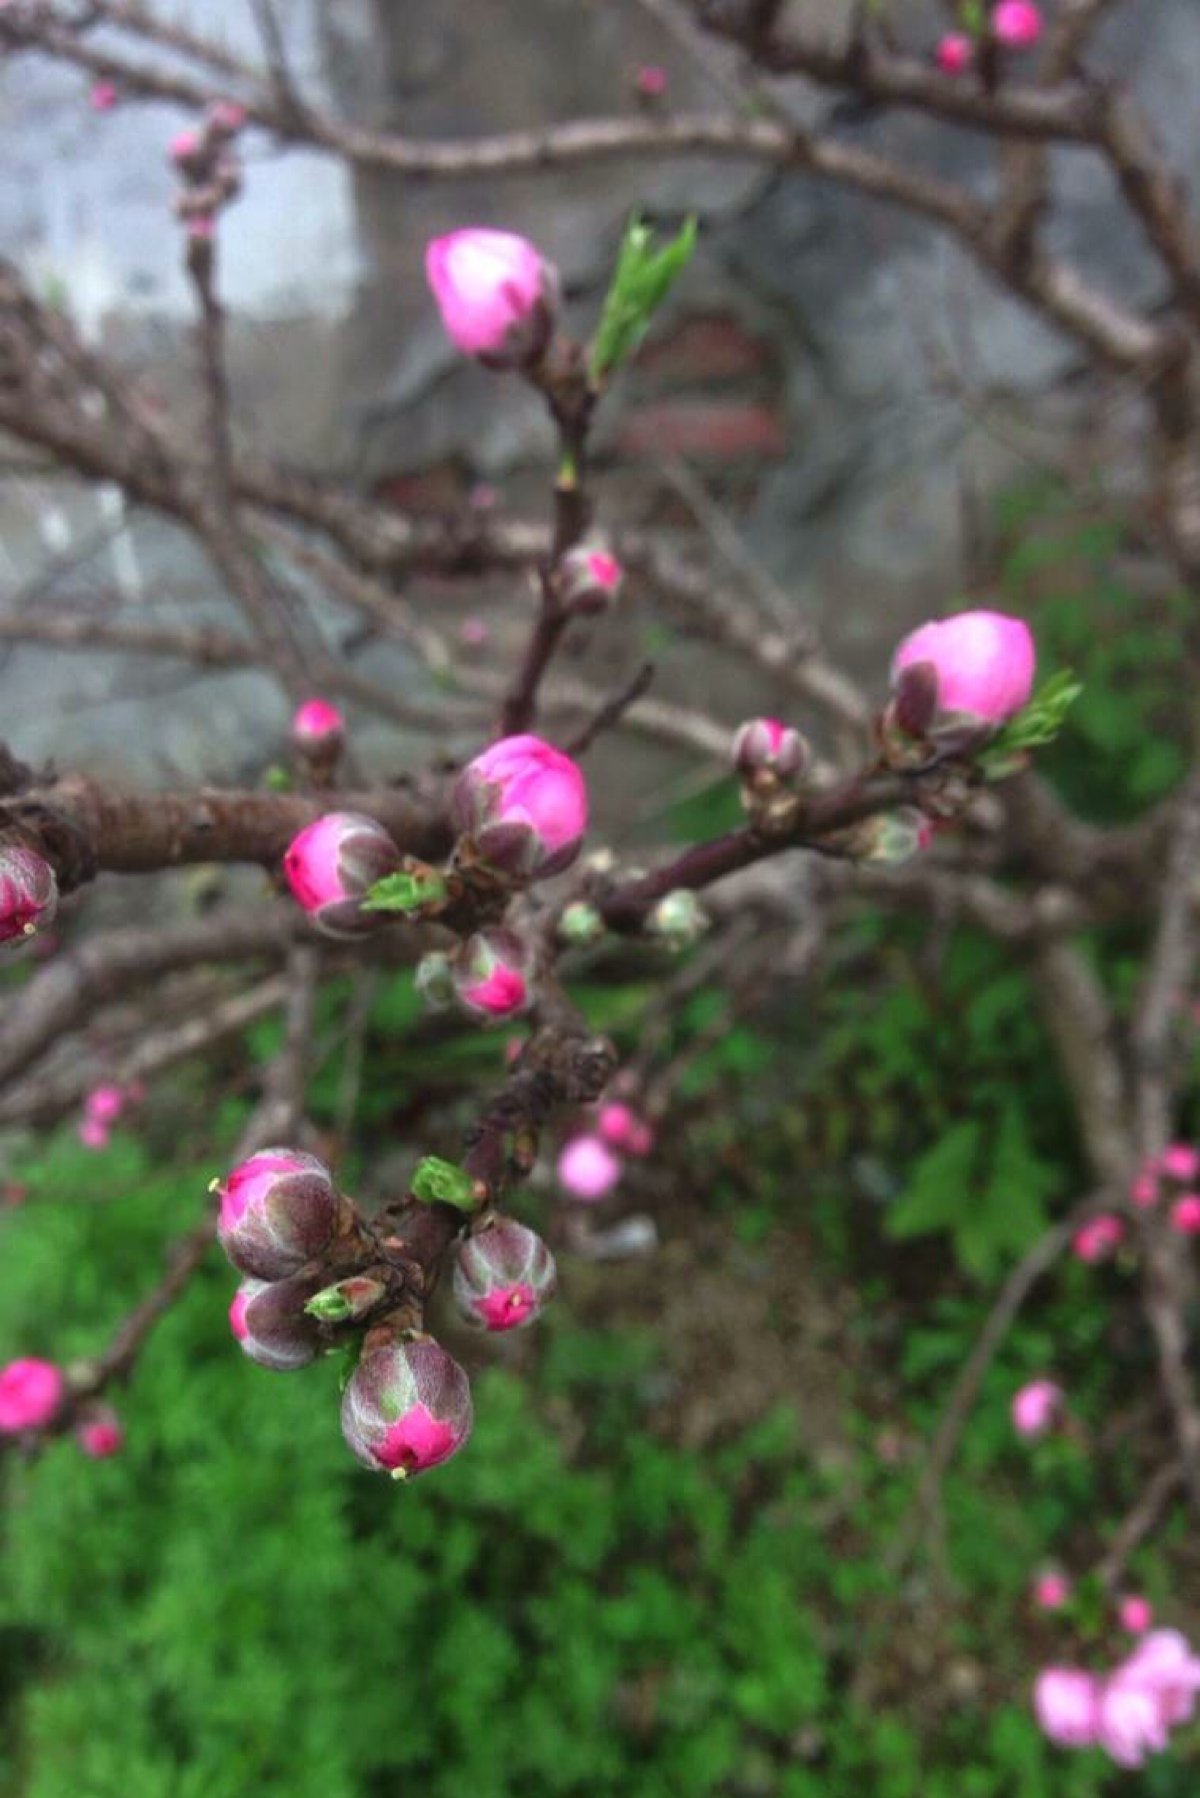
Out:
{"x": 100, "y": 1434}
{"x": 30, "y": 1393}
{"x": 318, "y": 725}
{"x": 765, "y": 746}
{"x": 678, "y": 920}
{"x": 331, "y": 866}
{"x": 587, "y": 1168}
{"x": 503, "y": 1276}
{"x": 406, "y": 1407}
{"x": 28, "y": 892}
{"x": 348, "y": 1300}
{"x": 490, "y": 975}
{"x": 279, "y": 1210}
{"x": 1016, "y": 23}
{"x": 590, "y": 577}
{"x": 956, "y": 680}
{"x": 497, "y": 295}
{"x": 955, "y": 53}
{"x": 524, "y": 805}
{"x": 272, "y": 1325}
{"x": 580, "y": 924}
{"x": 1036, "y": 1407}
{"x": 1098, "y": 1239}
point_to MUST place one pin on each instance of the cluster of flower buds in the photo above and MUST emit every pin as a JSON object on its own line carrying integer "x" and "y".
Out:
{"x": 331, "y": 866}
{"x": 591, "y": 1163}
{"x": 1130, "y": 1711}
{"x": 504, "y": 1276}
{"x": 1012, "y": 24}
{"x": 207, "y": 166}
{"x": 955, "y": 682}
{"x": 319, "y": 731}
{"x": 33, "y": 1393}
{"x": 497, "y": 294}
{"x": 522, "y": 807}
{"x": 102, "y": 1107}
{"x": 1098, "y": 1239}
{"x": 1171, "y": 1178}
{"x": 28, "y": 892}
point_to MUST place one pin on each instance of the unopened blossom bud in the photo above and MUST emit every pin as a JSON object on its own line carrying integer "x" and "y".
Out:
{"x": 406, "y": 1407}
{"x": 279, "y": 1210}
{"x": 1135, "y": 1613}
{"x": 333, "y": 863}
{"x": 187, "y": 150}
{"x": 497, "y": 295}
{"x": 1051, "y": 1591}
{"x": 678, "y": 920}
{"x": 1185, "y": 1214}
{"x": 1099, "y": 1238}
{"x": 28, "y": 892}
{"x": 1179, "y": 1161}
{"x": 318, "y": 725}
{"x": 503, "y": 1276}
{"x": 1016, "y": 23}
{"x": 102, "y": 96}
{"x": 524, "y": 805}
{"x": 434, "y": 980}
{"x": 100, "y": 1434}
{"x": 956, "y": 680}
{"x": 1036, "y": 1408}
{"x": 651, "y": 81}
{"x": 764, "y": 745}
{"x": 893, "y": 838}
{"x": 590, "y": 577}
{"x": 105, "y": 1102}
{"x": 954, "y": 53}
{"x": 490, "y": 975}
{"x": 30, "y": 1393}
{"x": 1066, "y": 1703}
{"x": 616, "y": 1123}
{"x": 581, "y": 924}
{"x": 271, "y": 1323}
{"x": 587, "y": 1168}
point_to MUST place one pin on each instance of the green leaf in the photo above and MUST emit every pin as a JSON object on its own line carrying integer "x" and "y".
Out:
{"x": 408, "y": 890}
{"x": 641, "y": 281}
{"x": 438, "y": 1182}
{"x": 1037, "y": 723}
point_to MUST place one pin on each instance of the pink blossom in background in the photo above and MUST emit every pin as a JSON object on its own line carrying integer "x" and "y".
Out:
{"x": 1143, "y": 1190}
{"x": 493, "y": 290}
{"x": 1065, "y": 1703}
{"x": 651, "y": 80}
{"x": 1163, "y": 1663}
{"x": 201, "y": 225}
{"x": 1016, "y": 23}
{"x": 183, "y": 146}
{"x": 1098, "y": 1238}
{"x": 984, "y": 663}
{"x": 1051, "y": 1591}
{"x": 226, "y": 117}
{"x": 1179, "y": 1161}
{"x": 1129, "y": 1721}
{"x": 30, "y": 1393}
{"x": 1036, "y": 1407}
{"x": 1135, "y": 1613}
{"x": 475, "y": 631}
{"x": 954, "y": 53}
{"x": 615, "y": 1123}
{"x": 105, "y": 1103}
{"x": 587, "y": 1168}
{"x": 317, "y": 723}
{"x": 1185, "y": 1214}
{"x": 100, "y": 1435}
{"x": 93, "y": 1133}
{"x": 102, "y": 96}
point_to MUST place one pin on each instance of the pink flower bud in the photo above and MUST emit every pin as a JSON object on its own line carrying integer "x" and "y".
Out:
{"x": 764, "y": 744}
{"x": 93, "y": 1133}
{"x": 1143, "y": 1190}
{"x": 489, "y": 980}
{"x": 225, "y": 118}
{"x": 1179, "y": 1161}
{"x": 406, "y": 1407}
{"x": 1016, "y": 23}
{"x": 590, "y": 577}
{"x": 980, "y": 664}
{"x": 503, "y": 1276}
{"x": 318, "y": 724}
{"x": 1185, "y": 1214}
{"x": 955, "y": 53}
{"x": 28, "y": 892}
{"x": 1036, "y": 1407}
{"x": 1098, "y": 1239}
{"x": 1135, "y": 1613}
{"x": 651, "y": 81}
{"x": 587, "y": 1168}
{"x": 271, "y": 1325}
{"x": 1051, "y": 1591}
{"x": 497, "y": 295}
{"x": 1065, "y": 1703}
{"x": 332, "y": 864}
{"x": 616, "y": 1123}
{"x": 100, "y": 1434}
{"x": 102, "y": 96}
{"x": 184, "y": 147}
{"x": 524, "y": 804}
{"x": 30, "y": 1393}
{"x": 279, "y": 1210}
{"x": 105, "y": 1103}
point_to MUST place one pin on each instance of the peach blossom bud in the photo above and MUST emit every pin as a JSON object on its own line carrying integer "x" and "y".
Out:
{"x": 504, "y": 1276}
{"x": 30, "y": 1393}
{"x": 333, "y": 863}
{"x": 651, "y": 81}
{"x": 28, "y": 892}
{"x": 1036, "y": 1407}
{"x": 1016, "y": 23}
{"x": 587, "y": 1168}
{"x": 955, "y": 53}
{"x": 279, "y": 1210}
{"x": 1135, "y": 1613}
{"x": 1179, "y": 1161}
{"x": 271, "y": 1325}
{"x": 100, "y": 1434}
{"x": 765, "y": 745}
{"x": 1051, "y": 1591}
{"x": 406, "y": 1407}
{"x": 93, "y": 1133}
{"x": 185, "y": 148}
{"x": 497, "y": 295}
{"x": 1185, "y": 1214}
{"x": 489, "y": 979}
{"x": 1065, "y": 1703}
{"x": 1098, "y": 1239}
{"x": 590, "y": 577}
{"x": 616, "y": 1123}
{"x": 105, "y": 1103}
{"x": 524, "y": 805}
{"x": 971, "y": 672}
{"x": 318, "y": 724}
{"x": 102, "y": 96}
